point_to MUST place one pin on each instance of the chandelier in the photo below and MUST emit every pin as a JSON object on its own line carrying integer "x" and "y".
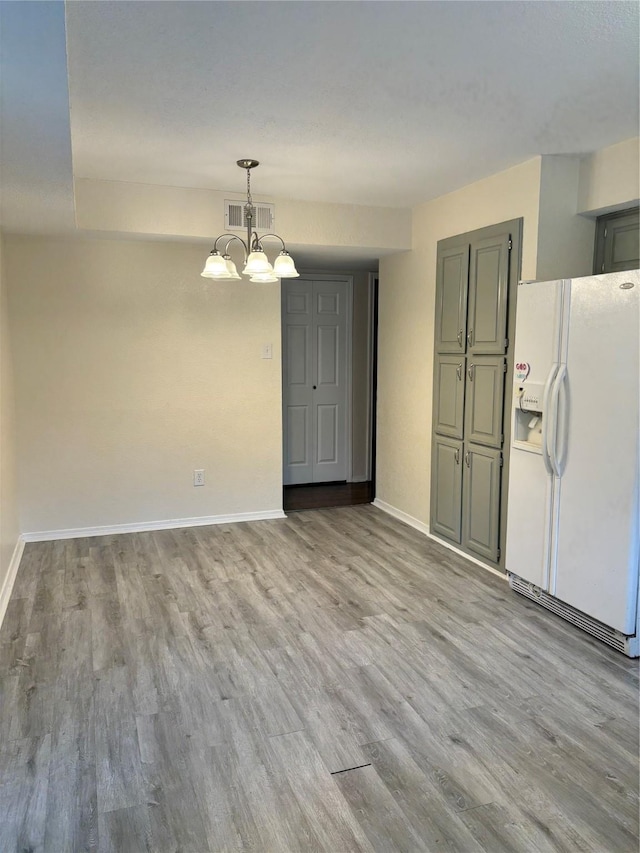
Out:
{"x": 256, "y": 263}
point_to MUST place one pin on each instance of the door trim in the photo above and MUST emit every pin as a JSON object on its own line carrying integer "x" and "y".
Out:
{"x": 348, "y": 280}
{"x": 371, "y": 384}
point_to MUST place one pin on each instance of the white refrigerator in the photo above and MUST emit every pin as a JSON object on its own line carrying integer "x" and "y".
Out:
{"x": 573, "y": 504}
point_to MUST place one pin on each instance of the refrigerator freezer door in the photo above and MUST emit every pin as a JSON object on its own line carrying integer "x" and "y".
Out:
{"x": 597, "y": 533}
{"x": 531, "y": 488}
{"x": 538, "y": 323}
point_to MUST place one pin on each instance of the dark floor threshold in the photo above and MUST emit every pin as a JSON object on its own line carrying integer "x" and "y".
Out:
{"x": 324, "y": 495}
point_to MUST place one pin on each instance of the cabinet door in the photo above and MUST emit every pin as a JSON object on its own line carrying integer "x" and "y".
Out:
{"x": 484, "y": 398}
{"x": 448, "y": 416}
{"x": 481, "y": 501}
{"x": 452, "y": 281}
{"x": 618, "y": 242}
{"x": 446, "y": 488}
{"x": 488, "y": 288}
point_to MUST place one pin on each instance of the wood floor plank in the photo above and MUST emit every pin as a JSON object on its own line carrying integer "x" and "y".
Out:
{"x": 119, "y": 776}
{"x": 72, "y": 804}
{"x": 462, "y": 779}
{"x": 377, "y": 812}
{"x": 24, "y": 769}
{"x": 319, "y": 800}
{"x": 136, "y": 829}
{"x": 106, "y": 632}
{"x": 422, "y": 804}
{"x": 194, "y": 690}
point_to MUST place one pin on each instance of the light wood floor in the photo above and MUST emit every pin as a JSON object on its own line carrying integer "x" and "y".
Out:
{"x": 211, "y": 689}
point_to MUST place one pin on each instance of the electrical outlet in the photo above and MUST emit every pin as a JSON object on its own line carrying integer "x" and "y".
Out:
{"x": 198, "y": 477}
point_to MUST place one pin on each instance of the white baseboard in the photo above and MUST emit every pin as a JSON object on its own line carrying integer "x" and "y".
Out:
{"x": 424, "y": 528}
{"x": 402, "y": 516}
{"x": 145, "y": 526}
{"x": 10, "y": 577}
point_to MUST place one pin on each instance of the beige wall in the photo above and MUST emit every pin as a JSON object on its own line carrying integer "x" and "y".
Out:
{"x": 610, "y": 178}
{"x": 565, "y": 239}
{"x": 406, "y": 315}
{"x": 194, "y": 213}
{"x": 9, "y": 529}
{"x": 131, "y": 371}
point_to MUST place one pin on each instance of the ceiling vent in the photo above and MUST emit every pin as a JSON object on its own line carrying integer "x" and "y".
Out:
{"x": 234, "y": 216}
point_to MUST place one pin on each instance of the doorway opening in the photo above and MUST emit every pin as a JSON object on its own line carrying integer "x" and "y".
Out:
{"x": 329, "y": 326}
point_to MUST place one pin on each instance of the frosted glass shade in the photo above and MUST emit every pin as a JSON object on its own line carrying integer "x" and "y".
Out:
{"x": 264, "y": 277}
{"x": 215, "y": 267}
{"x": 257, "y": 262}
{"x": 232, "y": 272}
{"x": 284, "y": 266}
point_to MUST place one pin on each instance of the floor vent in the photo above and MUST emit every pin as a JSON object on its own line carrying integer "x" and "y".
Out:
{"x": 611, "y": 637}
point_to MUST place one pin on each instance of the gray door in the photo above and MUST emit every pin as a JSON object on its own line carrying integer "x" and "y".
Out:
{"x": 488, "y": 287}
{"x": 449, "y": 395}
{"x": 330, "y": 381}
{"x": 314, "y": 381}
{"x": 481, "y": 501}
{"x": 451, "y": 299}
{"x": 484, "y": 399}
{"x": 446, "y": 488}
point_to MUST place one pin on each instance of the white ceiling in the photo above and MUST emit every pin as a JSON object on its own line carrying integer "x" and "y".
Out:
{"x": 380, "y": 103}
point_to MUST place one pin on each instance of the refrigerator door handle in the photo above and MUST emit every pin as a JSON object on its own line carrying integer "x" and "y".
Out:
{"x": 561, "y": 418}
{"x": 546, "y": 418}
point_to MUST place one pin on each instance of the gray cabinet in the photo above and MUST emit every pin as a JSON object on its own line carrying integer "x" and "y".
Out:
{"x": 484, "y": 399}
{"x": 452, "y": 279}
{"x": 476, "y": 285}
{"x": 481, "y": 501}
{"x": 488, "y": 285}
{"x": 618, "y": 241}
{"x": 449, "y": 378}
{"x": 446, "y": 488}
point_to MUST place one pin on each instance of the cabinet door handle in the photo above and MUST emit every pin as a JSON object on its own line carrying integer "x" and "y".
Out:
{"x": 457, "y": 456}
{"x": 459, "y": 371}
{"x": 471, "y": 372}
{"x": 467, "y": 459}
{"x": 470, "y": 337}
{"x": 460, "y": 337}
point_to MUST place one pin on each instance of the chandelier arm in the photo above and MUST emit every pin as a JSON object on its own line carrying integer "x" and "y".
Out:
{"x": 277, "y": 236}
{"x": 233, "y": 237}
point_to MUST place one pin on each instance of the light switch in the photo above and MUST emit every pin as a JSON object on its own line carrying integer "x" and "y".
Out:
{"x": 267, "y": 351}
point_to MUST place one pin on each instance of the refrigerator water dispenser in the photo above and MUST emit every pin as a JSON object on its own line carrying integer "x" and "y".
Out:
{"x": 528, "y": 415}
